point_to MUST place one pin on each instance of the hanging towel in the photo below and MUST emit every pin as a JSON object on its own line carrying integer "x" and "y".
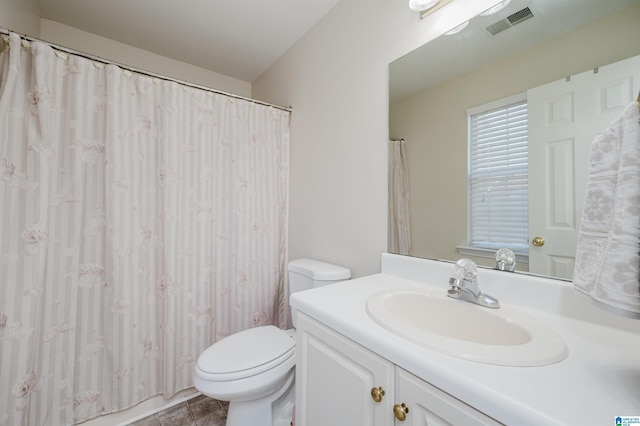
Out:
{"x": 608, "y": 250}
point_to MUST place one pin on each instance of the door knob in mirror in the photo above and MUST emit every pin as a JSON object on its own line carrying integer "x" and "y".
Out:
{"x": 538, "y": 241}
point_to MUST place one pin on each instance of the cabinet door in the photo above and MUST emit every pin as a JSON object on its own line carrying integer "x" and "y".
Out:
{"x": 427, "y": 405}
{"x": 335, "y": 377}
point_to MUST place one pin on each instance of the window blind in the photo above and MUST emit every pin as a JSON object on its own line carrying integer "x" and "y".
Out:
{"x": 498, "y": 183}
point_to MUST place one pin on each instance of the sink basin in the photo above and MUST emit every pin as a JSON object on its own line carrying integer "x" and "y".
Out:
{"x": 504, "y": 336}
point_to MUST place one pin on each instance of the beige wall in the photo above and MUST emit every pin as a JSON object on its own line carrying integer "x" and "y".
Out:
{"x": 83, "y": 41}
{"x": 434, "y": 122}
{"x": 335, "y": 78}
{"x": 21, "y": 16}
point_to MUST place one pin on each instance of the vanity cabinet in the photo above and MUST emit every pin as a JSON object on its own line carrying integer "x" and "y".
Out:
{"x": 429, "y": 406}
{"x": 340, "y": 382}
{"x": 335, "y": 378}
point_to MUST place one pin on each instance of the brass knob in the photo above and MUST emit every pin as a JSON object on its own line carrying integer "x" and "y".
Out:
{"x": 400, "y": 411}
{"x": 538, "y": 241}
{"x": 377, "y": 393}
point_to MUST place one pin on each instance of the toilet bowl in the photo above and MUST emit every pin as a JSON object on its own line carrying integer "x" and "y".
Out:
{"x": 255, "y": 369}
{"x": 251, "y": 380}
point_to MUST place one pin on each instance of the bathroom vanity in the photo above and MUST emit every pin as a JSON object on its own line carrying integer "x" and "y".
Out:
{"x": 356, "y": 368}
{"x": 344, "y": 383}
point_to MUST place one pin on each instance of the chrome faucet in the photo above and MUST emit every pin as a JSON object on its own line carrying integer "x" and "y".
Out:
{"x": 465, "y": 286}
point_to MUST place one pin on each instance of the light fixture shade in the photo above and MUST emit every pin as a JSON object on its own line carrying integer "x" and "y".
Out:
{"x": 495, "y": 9}
{"x": 457, "y": 29}
{"x": 420, "y": 5}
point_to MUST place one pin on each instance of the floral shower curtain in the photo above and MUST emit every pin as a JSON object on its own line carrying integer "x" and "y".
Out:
{"x": 141, "y": 220}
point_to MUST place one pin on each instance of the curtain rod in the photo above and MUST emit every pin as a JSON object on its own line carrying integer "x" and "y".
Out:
{"x": 396, "y": 140}
{"x": 143, "y": 72}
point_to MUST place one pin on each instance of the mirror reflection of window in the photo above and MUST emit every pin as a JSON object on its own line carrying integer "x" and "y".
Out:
{"x": 498, "y": 175}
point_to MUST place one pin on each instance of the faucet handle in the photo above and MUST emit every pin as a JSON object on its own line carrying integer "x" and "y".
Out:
{"x": 505, "y": 260}
{"x": 466, "y": 269}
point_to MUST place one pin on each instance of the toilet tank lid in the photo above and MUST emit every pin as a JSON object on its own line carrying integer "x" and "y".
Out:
{"x": 319, "y": 271}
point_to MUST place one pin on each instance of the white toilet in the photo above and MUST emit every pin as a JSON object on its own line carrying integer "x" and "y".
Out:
{"x": 255, "y": 369}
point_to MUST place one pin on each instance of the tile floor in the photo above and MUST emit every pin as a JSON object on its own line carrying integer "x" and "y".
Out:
{"x": 198, "y": 411}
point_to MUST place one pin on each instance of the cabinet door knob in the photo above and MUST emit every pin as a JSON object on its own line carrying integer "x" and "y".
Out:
{"x": 377, "y": 393}
{"x": 400, "y": 411}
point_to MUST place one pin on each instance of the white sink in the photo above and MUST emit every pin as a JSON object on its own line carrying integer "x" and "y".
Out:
{"x": 504, "y": 336}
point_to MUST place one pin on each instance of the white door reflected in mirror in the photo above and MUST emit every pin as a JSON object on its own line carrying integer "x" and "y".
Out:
{"x": 565, "y": 116}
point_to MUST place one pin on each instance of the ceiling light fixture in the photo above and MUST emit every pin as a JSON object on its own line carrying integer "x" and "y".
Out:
{"x": 427, "y": 7}
{"x": 495, "y": 9}
{"x": 420, "y": 5}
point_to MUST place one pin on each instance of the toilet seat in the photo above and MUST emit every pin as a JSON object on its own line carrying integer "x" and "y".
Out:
{"x": 245, "y": 354}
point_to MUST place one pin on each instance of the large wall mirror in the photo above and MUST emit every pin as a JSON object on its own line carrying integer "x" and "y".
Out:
{"x": 562, "y": 45}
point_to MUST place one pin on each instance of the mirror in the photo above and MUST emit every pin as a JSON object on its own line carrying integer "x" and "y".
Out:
{"x": 431, "y": 88}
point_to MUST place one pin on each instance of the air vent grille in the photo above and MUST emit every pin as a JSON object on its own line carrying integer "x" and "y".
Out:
{"x": 498, "y": 27}
{"x": 520, "y": 16}
{"x": 511, "y": 20}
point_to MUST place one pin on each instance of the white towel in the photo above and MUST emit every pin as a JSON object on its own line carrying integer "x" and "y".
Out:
{"x": 608, "y": 250}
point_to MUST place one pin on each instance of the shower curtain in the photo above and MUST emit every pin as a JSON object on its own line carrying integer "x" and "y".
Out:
{"x": 399, "y": 202}
{"x": 141, "y": 220}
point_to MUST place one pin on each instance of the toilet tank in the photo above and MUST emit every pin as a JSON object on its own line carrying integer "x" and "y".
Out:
{"x": 305, "y": 274}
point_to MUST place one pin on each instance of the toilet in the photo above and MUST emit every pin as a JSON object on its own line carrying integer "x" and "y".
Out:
{"x": 255, "y": 369}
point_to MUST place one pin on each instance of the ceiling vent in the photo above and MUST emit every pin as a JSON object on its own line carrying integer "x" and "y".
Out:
{"x": 511, "y": 20}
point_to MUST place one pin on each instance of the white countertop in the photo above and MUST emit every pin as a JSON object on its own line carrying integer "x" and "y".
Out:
{"x": 599, "y": 380}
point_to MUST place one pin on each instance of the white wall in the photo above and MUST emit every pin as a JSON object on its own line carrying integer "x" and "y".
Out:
{"x": 336, "y": 79}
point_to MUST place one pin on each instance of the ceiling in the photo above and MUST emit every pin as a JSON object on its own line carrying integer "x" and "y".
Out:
{"x": 237, "y": 38}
